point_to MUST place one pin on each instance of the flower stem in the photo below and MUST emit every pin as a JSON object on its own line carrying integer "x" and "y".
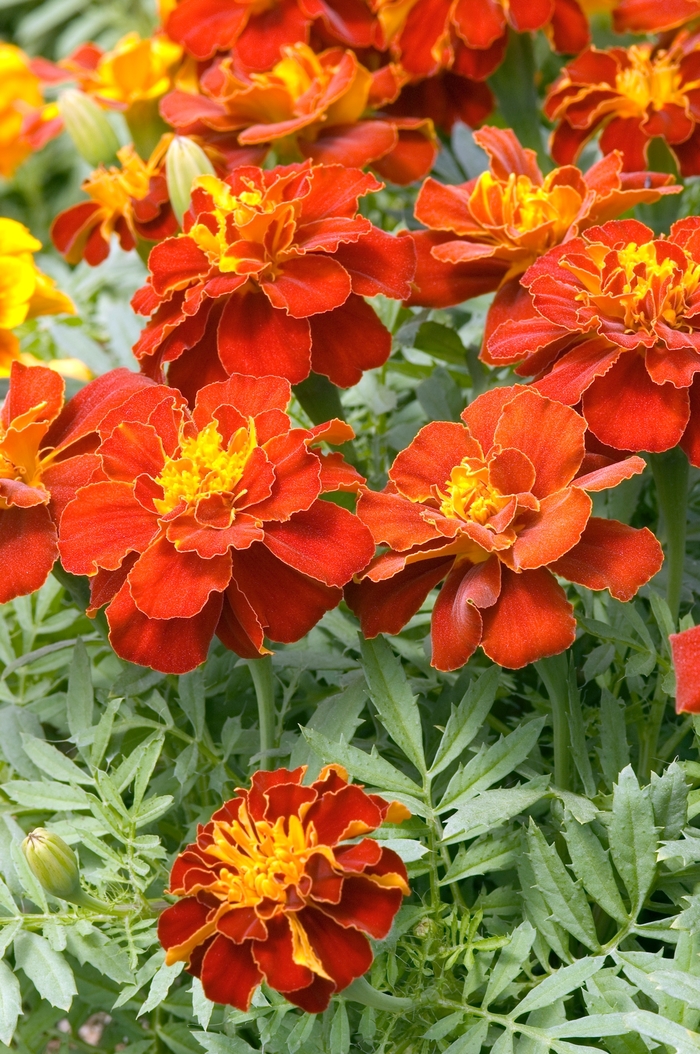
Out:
{"x": 554, "y": 672}
{"x": 671, "y": 471}
{"x": 261, "y": 672}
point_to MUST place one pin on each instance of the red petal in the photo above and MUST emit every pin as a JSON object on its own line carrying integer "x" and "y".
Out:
{"x": 358, "y": 856}
{"x": 610, "y": 475}
{"x": 103, "y": 524}
{"x": 268, "y": 30}
{"x": 552, "y": 531}
{"x": 685, "y": 648}
{"x": 479, "y": 22}
{"x": 229, "y": 973}
{"x": 326, "y": 884}
{"x": 575, "y": 371}
{"x": 439, "y": 284}
{"x": 262, "y": 398}
{"x": 335, "y": 191}
{"x": 394, "y": 521}
{"x": 569, "y": 28}
{"x": 30, "y": 386}
{"x": 386, "y": 607}
{"x": 482, "y": 416}
{"x": 525, "y": 16}
{"x": 175, "y": 263}
{"x": 257, "y": 339}
{"x": 380, "y": 263}
{"x": 532, "y": 619}
{"x": 325, "y": 542}
{"x": 550, "y": 434}
{"x": 338, "y": 815}
{"x": 413, "y": 156}
{"x": 612, "y": 556}
{"x": 242, "y": 924}
{"x": 506, "y": 155}
{"x": 365, "y": 906}
{"x": 28, "y": 550}
{"x": 206, "y": 26}
{"x": 344, "y": 953}
{"x": 168, "y": 584}
{"x": 239, "y": 629}
{"x": 429, "y": 459}
{"x": 179, "y": 923}
{"x": 347, "y": 341}
{"x": 308, "y": 285}
{"x": 297, "y": 477}
{"x": 315, "y": 998}
{"x": 691, "y": 437}
{"x": 87, "y": 409}
{"x": 354, "y": 145}
{"x": 511, "y": 472}
{"x": 187, "y": 535}
{"x": 133, "y": 448}
{"x": 105, "y": 585}
{"x": 456, "y": 622}
{"x": 274, "y": 958}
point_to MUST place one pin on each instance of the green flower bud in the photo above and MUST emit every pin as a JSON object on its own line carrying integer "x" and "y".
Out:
{"x": 55, "y": 865}
{"x": 184, "y": 162}
{"x": 87, "y": 125}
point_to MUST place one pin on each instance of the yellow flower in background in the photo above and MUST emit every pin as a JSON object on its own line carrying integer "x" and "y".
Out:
{"x": 20, "y": 94}
{"x": 135, "y": 70}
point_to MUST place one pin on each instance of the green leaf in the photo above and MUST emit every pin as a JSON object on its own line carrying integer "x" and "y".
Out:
{"x": 300, "y": 1033}
{"x": 444, "y": 1026}
{"x": 669, "y": 800}
{"x": 215, "y": 1043}
{"x": 48, "y": 970}
{"x": 393, "y": 699}
{"x": 491, "y": 765}
{"x": 336, "y": 716}
{"x": 614, "y": 749}
{"x": 679, "y": 985}
{"x": 152, "y": 809}
{"x": 633, "y": 842}
{"x": 511, "y": 961}
{"x": 160, "y": 986}
{"x": 465, "y": 721}
{"x": 370, "y": 768}
{"x": 577, "y": 735}
{"x": 101, "y": 952}
{"x": 103, "y": 733}
{"x": 683, "y": 1040}
{"x": 594, "y": 1026}
{"x": 178, "y": 1038}
{"x": 472, "y": 1041}
{"x": 202, "y": 1008}
{"x": 559, "y": 984}
{"x": 52, "y": 762}
{"x": 592, "y": 867}
{"x": 144, "y": 770}
{"x": 14, "y": 720}
{"x": 492, "y": 852}
{"x": 491, "y": 809}
{"x": 504, "y": 1043}
{"x": 10, "y": 1003}
{"x": 80, "y": 698}
{"x": 441, "y": 342}
{"x": 192, "y": 699}
{"x": 340, "y": 1030}
{"x": 565, "y": 898}
{"x": 537, "y": 910}
{"x": 440, "y": 397}
{"x": 47, "y": 796}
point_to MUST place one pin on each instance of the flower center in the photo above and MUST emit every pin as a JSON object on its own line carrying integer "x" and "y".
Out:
{"x": 114, "y": 188}
{"x": 469, "y": 496}
{"x": 650, "y": 81}
{"x": 262, "y": 859}
{"x": 520, "y": 204}
{"x": 205, "y": 467}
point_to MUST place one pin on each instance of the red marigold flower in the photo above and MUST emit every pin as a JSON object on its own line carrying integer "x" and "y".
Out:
{"x": 650, "y": 16}
{"x": 269, "y": 277}
{"x": 45, "y": 455}
{"x": 131, "y": 202}
{"x": 493, "y": 507}
{"x": 274, "y": 890}
{"x": 445, "y": 98}
{"x": 485, "y": 233}
{"x": 612, "y": 320}
{"x": 211, "y": 522}
{"x": 634, "y": 94}
{"x": 308, "y": 105}
{"x": 685, "y": 648}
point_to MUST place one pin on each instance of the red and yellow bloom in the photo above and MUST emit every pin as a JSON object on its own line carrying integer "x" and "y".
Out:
{"x": 493, "y": 507}
{"x": 685, "y": 648}
{"x": 634, "y": 95}
{"x": 269, "y": 277}
{"x": 485, "y": 233}
{"x": 612, "y": 321}
{"x": 277, "y": 888}
{"x": 130, "y": 201}
{"x": 45, "y": 455}
{"x": 211, "y": 522}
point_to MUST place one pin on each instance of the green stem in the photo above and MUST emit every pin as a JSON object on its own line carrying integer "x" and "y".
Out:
{"x": 554, "y": 673}
{"x": 261, "y": 672}
{"x": 671, "y": 472}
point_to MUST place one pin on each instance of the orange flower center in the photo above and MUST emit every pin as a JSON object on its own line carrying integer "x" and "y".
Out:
{"x": 135, "y": 69}
{"x": 468, "y": 494}
{"x": 19, "y": 449}
{"x": 204, "y": 466}
{"x": 521, "y": 206}
{"x": 114, "y": 188}
{"x": 648, "y": 81}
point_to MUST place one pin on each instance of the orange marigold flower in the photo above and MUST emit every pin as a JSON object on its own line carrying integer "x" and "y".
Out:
{"x": 131, "y": 202}
{"x": 634, "y": 94}
{"x": 44, "y": 456}
{"x": 20, "y": 95}
{"x": 212, "y": 522}
{"x": 493, "y": 507}
{"x": 612, "y": 320}
{"x": 485, "y": 233}
{"x": 685, "y": 648}
{"x": 269, "y": 277}
{"x": 307, "y": 105}
{"x": 136, "y": 70}
{"x": 277, "y": 888}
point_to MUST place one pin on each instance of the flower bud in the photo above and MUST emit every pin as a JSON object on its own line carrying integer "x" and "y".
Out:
{"x": 184, "y": 162}
{"x": 55, "y": 865}
{"x": 87, "y": 125}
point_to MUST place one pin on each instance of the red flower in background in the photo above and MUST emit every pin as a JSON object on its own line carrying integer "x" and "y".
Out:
{"x": 613, "y": 321}
{"x": 485, "y": 233}
{"x": 277, "y": 888}
{"x": 445, "y": 98}
{"x": 634, "y": 94}
{"x": 269, "y": 278}
{"x": 131, "y": 202}
{"x": 685, "y": 648}
{"x": 44, "y": 457}
{"x": 493, "y": 507}
{"x": 308, "y": 105}
{"x": 211, "y": 523}
{"x": 650, "y": 16}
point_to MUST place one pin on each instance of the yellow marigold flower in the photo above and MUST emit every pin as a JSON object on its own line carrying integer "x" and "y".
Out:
{"x": 25, "y": 291}
{"x": 135, "y": 70}
{"x": 19, "y": 94}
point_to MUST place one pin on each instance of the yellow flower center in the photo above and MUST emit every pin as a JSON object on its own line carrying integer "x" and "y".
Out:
{"x": 469, "y": 495}
{"x": 523, "y": 206}
{"x": 650, "y": 81}
{"x": 205, "y": 467}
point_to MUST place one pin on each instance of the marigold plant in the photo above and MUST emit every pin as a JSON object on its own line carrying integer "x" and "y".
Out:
{"x": 278, "y": 888}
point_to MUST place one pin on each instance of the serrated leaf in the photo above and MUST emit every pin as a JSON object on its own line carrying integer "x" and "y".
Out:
{"x": 510, "y": 962}
{"x": 46, "y": 795}
{"x": 679, "y": 985}
{"x": 52, "y": 762}
{"x": 370, "y": 768}
{"x": 46, "y": 969}
{"x": 565, "y": 898}
{"x": 393, "y": 699}
{"x": 105, "y": 955}
{"x": 465, "y": 721}
{"x": 444, "y": 1026}
{"x": 472, "y": 1041}
{"x": 215, "y": 1043}
{"x": 491, "y": 809}
{"x": 633, "y": 841}
{"x": 441, "y": 342}
{"x": 103, "y": 733}
{"x": 683, "y": 1040}
{"x": 152, "y": 809}
{"x": 160, "y": 986}
{"x": 669, "y": 800}
{"x": 10, "y": 1003}
{"x": 80, "y": 697}
{"x": 192, "y": 699}
{"x": 537, "y": 910}
{"x": 493, "y": 852}
{"x": 491, "y": 765}
{"x": 504, "y": 1043}
{"x": 202, "y": 1008}
{"x": 559, "y": 984}
{"x": 145, "y": 767}
{"x": 14, "y": 720}
{"x": 592, "y": 1027}
{"x": 577, "y": 734}
{"x": 592, "y": 867}
{"x": 340, "y": 1031}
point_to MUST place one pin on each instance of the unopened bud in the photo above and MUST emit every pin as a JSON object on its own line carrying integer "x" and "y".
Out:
{"x": 87, "y": 125}
{"x": 55, "y": 865}
{"x": 184, "y": 162}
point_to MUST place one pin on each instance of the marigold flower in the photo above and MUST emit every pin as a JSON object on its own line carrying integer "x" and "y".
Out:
{"x": 685, "y": 648}
{"x": 42, "y": 462}
{"x": 308, "y": 105}
{"x": 25, "y": 291}
{"x": 131, "y": 202}
{"x": 493, "y": 507}
{"x": 649, "y": 16}
{"x": 269, "y": 278}
{"x": 134, "y": 71}
{"x": 211, "y": 522}
{"x": 612, "y": 321}
{"x": 445, "y": 98}
{"x": 634, "y": 94}
{"x": 20, "y": 96}
{"x": 277, "y": 888}
{"x": 485, "y": 233}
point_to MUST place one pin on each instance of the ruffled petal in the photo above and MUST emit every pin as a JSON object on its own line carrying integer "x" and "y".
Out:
{"x": 612, "y": 556}
{"x": 531, "y": 619}
{"x": 229, "y": 973}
